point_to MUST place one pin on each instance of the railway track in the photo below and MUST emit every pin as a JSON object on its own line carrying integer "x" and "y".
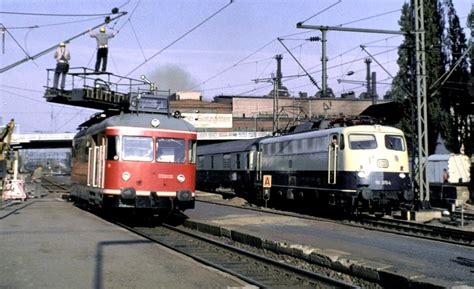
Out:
{"x": 253, "y": 268}
{"x": 464, "y": 215}
{"x": 53, "y": 185}
{"x": 401, "y": 227}
{"x": 425, "y": 231}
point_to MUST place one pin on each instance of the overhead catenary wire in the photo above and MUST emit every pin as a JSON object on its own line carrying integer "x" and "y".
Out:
{"x": 370, "y": 17}
{"x": 130, "y": 15}
{"x": 138, "y": 41}
{"x": 54, "y": 24}
{"x": 53, "y": 14}
{"x": 181, "y": 37}
{"x": 322, "y": 11}
{"x": 313, "y": 81}
{"x": 232, "y": 66}
{"x": 240, "y": 62}
{"x": 17, "y": 43}
{"x": 46, "y": 51}
{"x": 290, "y": 78}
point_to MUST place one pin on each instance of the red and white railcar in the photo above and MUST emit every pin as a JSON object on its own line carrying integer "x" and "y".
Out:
{"x": 136, "y": 160}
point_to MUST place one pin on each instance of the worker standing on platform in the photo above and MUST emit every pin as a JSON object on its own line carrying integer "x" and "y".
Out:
{"x": 62, "y": 57}
{"x": 102, "y": 47}
{"x": 37, "y": 178}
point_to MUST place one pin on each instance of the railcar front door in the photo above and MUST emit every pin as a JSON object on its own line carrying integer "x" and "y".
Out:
{"x": 332, "y": 158}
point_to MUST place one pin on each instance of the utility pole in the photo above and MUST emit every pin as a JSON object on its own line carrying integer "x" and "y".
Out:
{"x": 324, "y": 62}
{"x": 275, "y": 104}
{"x": 421, "y": 97}
{"x": 274, "y": 81}
{"x": 3, "y": 30}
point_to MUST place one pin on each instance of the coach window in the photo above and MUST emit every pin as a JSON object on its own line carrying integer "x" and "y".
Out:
{"x": 238, "y": 161}
{"x": 394, "y": 142}
{"x": 362, "y": 141}
{"x": 200, "y": 163}
{"x": 171, "y": 150}
{"x": 226, "y": 161}
{"x": 137, "y": 148}
{"x": 112, "y": 149}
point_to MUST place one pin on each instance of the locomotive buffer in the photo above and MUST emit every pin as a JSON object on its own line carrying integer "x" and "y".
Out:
{"x": 108, "y": 92}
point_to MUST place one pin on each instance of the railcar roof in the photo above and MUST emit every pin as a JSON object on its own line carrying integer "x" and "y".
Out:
{"x": 227, "y": 147}
{"x": 141, "y": 120}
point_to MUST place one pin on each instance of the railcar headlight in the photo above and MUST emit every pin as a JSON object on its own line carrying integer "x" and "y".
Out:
{"x": 402, "y": 175}
{"x": 126, "y": 176}
{"x": 181, "y": 178}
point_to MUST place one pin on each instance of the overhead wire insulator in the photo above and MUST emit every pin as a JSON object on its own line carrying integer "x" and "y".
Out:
{"x": 314, "y": 38}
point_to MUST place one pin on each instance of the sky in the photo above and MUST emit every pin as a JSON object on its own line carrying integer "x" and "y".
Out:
{"x": 212, "y": 46}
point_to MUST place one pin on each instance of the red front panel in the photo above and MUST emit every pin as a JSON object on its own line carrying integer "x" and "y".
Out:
{"x": 149, "y": 176}
{"x": 144, "y": 176}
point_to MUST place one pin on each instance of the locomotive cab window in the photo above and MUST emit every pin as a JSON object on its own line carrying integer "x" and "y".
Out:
{"x": 362, "y": 141}
{"x": 171, "y": 150}
{"x": 394, "y": 142}
{"x": 137, "y": 148}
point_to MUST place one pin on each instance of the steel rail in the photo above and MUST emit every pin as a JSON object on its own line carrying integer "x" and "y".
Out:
{"x": 245, "y": 265}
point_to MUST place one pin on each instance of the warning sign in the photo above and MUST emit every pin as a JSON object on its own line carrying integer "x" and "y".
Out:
{"x": 267, "y": 181}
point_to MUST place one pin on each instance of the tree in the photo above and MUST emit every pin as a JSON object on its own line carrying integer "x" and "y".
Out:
{"x": 405, "y": 78}
{"x": 456, "y": 100}
{"x": 402, "y": 85}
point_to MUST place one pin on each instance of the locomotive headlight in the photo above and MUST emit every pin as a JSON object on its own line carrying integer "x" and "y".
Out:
{"x": 181, "y": 178}
{"x": 361, "y": 174}
{"x": 402, "y": 175}
{"x": 126, "y": 176}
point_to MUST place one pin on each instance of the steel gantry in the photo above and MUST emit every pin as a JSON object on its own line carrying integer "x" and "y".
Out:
{"x": 420, "y": 168}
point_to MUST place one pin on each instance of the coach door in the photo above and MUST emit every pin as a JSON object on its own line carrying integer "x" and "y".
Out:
{"x": 95, "y": 162}
{"x": 100, "y": 163}
{"x": 332, "y": 158}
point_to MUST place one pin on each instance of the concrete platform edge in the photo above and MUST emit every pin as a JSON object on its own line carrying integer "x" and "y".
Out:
{"x": 383, "y": 274}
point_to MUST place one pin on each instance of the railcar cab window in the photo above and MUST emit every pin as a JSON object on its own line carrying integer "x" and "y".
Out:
{"x": 171, "y": 150}
{"x": 192, "y": 151}
{"x": 362, "y": 142}
{"x": 137, "y": 148}
{"x": 394, "y": 142}
{"x": 112, "y": 147}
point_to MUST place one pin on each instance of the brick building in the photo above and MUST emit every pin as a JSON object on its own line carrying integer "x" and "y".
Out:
{"x": 255, "y": 114}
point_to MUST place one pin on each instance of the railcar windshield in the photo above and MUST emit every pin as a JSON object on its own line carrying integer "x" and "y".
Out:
{"x": 394, "y": 142}
{"x": 171, "y": 150}
{"x": 362, "y": 141}
{"x": 137, "y": 148}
